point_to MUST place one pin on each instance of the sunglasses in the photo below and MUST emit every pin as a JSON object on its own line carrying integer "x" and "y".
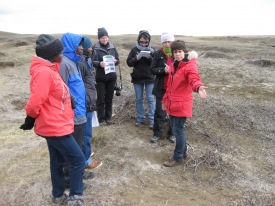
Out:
{"x": 144, "y": 42}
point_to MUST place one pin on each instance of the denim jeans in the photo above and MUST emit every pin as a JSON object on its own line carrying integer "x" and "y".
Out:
{"x": 177, "y": 125}
{"x": 88, "y": 134}
{"x": 139, "y": 91}
{"x": 78, "y": 135}
{"x": 62, "y": 149}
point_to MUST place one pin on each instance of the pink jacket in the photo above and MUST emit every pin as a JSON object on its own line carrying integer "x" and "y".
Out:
{"x": 178, "y": 98}
{"x": 50, "y": 100}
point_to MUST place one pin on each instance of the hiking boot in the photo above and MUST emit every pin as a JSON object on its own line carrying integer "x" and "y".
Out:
{"x": 59, "y": 201}
{"x": 154, "y": 139}
{"x": 88, "y": 175}
{"x": 151, "y": 126}
{"x": 172, "y": 163}
{"x": 75, "y": 200}
{"x": 95, "y": 164}
{"x": 172, "y": 139}
{"x": 109, "y": 121}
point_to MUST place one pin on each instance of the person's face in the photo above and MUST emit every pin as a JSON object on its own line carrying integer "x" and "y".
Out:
{"x": 79, "y": 50}
{"x": 178, "y": 55}
{"x": 89, "y": 51}
{"x": 57, "y": 58}
{"x": 104, "y": 40}
{"x": 143, "y": 42}
{"x": 166, "y": 44}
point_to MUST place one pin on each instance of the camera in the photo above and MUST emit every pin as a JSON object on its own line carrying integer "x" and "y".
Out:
{"x": 118, "y": 91}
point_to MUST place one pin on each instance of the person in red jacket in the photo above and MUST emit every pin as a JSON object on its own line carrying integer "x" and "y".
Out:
{"x": 178, "y": 101}
{"x": 49, "y": 111}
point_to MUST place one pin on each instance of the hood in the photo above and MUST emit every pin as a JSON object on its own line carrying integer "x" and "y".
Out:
{"x": 38, "y": 62}
{"x": 192, "y": 55}
{"x": 70, "y": 42}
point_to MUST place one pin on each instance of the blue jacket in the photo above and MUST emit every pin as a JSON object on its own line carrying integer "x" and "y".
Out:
{"x": 72, "y": 76}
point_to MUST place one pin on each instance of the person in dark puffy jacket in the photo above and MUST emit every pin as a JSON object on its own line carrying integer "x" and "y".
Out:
{"x": 105, "y": 82}
{"x": 49, "y": 110}
{"x": 140, "y": 58}
{"x": 88, "y": 75}
{"x": 161, "y": 58}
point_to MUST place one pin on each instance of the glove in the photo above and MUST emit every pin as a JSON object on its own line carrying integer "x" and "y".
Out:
{"x": 29, "y": 123}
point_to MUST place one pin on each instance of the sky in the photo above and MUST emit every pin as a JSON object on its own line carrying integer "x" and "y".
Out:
{"x": 179, "y": 17}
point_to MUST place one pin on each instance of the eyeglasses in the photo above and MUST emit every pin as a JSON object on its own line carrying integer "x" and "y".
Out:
{"x": 144, "y": 42}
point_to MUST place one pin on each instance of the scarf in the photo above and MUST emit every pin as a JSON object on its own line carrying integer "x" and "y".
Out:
{"x": 167, "y": 51}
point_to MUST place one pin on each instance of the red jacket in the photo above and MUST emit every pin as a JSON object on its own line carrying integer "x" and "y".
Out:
{"x": 178, "y": 98}
{"x": 50, "y": 100}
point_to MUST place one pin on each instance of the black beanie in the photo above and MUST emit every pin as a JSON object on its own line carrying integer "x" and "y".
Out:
{"x": 102, "y": 32}
{"x": 48, "y": 47}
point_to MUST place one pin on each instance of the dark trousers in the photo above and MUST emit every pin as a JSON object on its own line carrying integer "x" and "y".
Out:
{"x": 160, "y": 118}
{"x": 104, "y": 101}
{"x": 62, "y": 149}
{"x": 78, "y": 135}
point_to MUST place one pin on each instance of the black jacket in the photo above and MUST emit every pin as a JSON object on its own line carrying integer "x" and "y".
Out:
{"x": 157, "y": 68}
{"x": 141, "y": 68}
{"x": 88, "y": 77}
{"x": 98, "y": 52}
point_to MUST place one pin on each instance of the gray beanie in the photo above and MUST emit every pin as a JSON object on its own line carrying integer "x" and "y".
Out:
{"x": 101, "y": 32}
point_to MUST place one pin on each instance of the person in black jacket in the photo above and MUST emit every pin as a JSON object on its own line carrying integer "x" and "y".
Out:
{"x": 105, "y": 81}
{"x": 88, "y": 75}
{"x": 157, "y": 68}
{"x": 140, "y": 58}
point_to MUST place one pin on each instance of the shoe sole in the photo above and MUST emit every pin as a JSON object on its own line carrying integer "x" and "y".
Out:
{"x": 95, "y": 167}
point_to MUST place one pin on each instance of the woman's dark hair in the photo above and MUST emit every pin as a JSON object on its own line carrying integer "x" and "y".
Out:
{"x": 144, "y": 34}
{"x": 178, "y": 45}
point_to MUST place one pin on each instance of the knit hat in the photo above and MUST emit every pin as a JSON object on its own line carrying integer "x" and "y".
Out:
{"x": 86, "y": 43}
{"x": 48, "y": 47}
{"x": 101, "y": 32}
{"x": 167, "y": 37}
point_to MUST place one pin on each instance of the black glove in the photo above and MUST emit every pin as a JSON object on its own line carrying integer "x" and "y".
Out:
{"x": 29, "y": 123}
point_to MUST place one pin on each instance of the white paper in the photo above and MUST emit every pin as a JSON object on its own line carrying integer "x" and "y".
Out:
{"x": 110, "y": 64}
{"x": 95, "y": 122}
{"x": 144, "y": 54}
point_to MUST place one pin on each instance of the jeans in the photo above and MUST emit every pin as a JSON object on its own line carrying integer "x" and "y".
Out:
{"x": 177, "y": 125}
{"x": 139, "y": 91}
{"x": 62, "y": 149}
{"x": 78, "y": 135}
{"x": 160, "y": 117}
{"x": 88, "y": 134}
{"x": 104, "y": 101}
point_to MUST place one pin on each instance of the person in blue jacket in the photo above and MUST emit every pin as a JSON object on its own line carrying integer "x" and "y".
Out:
{"x": 71, "y": 76}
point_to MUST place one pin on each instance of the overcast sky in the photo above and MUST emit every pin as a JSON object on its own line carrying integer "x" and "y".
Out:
{"x": 180, "y": 17}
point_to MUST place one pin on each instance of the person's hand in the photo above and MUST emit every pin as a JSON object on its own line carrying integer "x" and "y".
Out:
{"x": 166, "y": 68}
{"x": 29, "y": 123}
{"x": 202, "y": 92}
{"x": 102, "y": 64}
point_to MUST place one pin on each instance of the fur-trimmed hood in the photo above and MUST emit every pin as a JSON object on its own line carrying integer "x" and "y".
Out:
{"x": 192, "y": 55}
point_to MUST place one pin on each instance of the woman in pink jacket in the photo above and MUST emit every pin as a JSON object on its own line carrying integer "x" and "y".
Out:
{"x": 178, "y": 101}
{"x": 49, "y": 111}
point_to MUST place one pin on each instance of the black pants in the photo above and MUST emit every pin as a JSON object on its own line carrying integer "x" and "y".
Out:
{"x": 104, "y": 101}
{"x": 160, "y": 118}
{"x": 78, "y": 135}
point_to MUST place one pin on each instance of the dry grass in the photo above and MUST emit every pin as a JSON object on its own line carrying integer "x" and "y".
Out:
{"x": 231, "y": 136}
